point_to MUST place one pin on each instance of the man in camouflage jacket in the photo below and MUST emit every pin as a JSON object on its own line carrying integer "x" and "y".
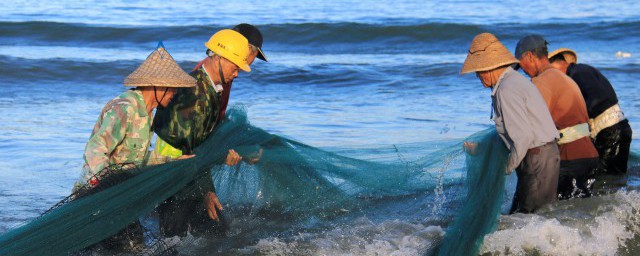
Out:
{"x": 188, "y": 120}
{"x": 122, "y": 134}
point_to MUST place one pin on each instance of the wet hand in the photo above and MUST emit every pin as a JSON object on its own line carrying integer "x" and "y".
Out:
{"x": 212, "y": 204}
{"x": 507, "y": 170}
{"x": 255, "y": 159}
{"x": 470, "y": 147}
{"x": 186, "y": 156}
{"x": 232, "y": 158}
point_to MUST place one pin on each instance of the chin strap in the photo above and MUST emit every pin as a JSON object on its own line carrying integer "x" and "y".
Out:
{"x": 155, "y": 94}
{"x": 220, "y": 71}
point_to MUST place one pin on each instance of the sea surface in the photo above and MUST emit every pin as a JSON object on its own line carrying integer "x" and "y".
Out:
{"x": 342, "y": 75}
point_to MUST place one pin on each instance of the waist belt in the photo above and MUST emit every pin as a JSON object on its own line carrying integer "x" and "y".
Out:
{"x": 608, "y": 118}
{"x": 573, "y": 133}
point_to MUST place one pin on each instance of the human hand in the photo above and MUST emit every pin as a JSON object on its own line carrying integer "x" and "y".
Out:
{"x": 232, "y": 158}
{"x": 470, "y": 147}
{"x": 185, "y": 156}
{"x": 255, "y": 158}
{"x": 213, "y": 205}
{"x": 508, "y": 170}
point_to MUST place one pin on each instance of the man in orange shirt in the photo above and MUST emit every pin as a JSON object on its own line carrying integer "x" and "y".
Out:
{"x": 578, "y": 156}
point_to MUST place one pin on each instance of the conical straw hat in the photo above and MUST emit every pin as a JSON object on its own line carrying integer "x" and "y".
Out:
{"x": 569, "y": 55}
{"x": 159, "y": 69}
{"x": 486, "y": 53}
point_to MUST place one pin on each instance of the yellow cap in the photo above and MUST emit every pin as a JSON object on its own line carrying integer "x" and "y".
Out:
{"x": 232, "y": 46}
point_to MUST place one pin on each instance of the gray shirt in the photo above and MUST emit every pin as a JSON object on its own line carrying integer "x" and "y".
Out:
{"x": 522, "y": 118}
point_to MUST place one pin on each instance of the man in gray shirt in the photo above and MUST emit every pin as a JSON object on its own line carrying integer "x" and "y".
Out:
{"x": 522, "y": 120}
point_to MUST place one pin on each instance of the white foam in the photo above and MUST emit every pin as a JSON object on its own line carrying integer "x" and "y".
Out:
{"x": 621, "y": 54}
{"x": 364, "y": 237}
{"x": 594, "y": 226}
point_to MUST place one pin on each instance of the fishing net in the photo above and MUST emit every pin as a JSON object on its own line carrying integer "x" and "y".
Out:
{"x": 291, "y": 179}
{"x": 485, "y": 188}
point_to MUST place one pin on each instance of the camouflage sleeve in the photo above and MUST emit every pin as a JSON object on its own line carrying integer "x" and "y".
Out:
{"x": 173, "y": 123}
{"x": 103, "y": 141}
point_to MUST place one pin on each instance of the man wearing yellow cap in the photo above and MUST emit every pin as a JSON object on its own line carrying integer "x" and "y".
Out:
{"x": 522, "y": 121}
{"x": 187, "y": 122}
{"x": 610, "y": 130}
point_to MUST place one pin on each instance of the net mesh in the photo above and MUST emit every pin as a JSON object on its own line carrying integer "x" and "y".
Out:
{"x": 291, "y": 179}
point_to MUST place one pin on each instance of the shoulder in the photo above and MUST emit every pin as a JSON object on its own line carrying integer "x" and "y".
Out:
{"x": 584, "y": 67}
{"x": 515, "y": 77}
{"x": 122, "y": 105}
{"x": 549, "y": 77}
{"x": 550, "y": 73}
{"x": 514, "y": 83}
{"x": 580, "y": 70}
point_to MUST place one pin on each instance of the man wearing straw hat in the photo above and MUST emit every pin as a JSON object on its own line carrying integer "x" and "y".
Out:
{"x": 579, "y": 157}
{"x": 610, "y": 130}
{"x": 522, "y": 121}
{"x": 187, "y": 122}
{"x": 122, "y": 134}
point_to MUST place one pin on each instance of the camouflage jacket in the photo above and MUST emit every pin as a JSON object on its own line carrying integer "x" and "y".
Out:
{"x": 191, "y": 115}
{"x": 121, "y": 135}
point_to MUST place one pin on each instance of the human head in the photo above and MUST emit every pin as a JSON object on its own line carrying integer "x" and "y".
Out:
{"x": 227, "y": 71}
{"x": 532, "y": 53}
{"x": 253, "y": 53}
{"x": 228, "y": 50}
{"x": 487, "y": 57}
{"x": 159, "y": 94}
{"x": 159, "y": 75}
{"x": 568, "y": 55}
{"x": 230, "y": 45}
{"x": 254, "y": 37}
{"x": 562, "y": 58}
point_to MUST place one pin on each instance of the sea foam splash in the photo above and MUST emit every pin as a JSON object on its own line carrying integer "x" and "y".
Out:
{"x": 594, "y": 226}
{"x": 363, "y": 237}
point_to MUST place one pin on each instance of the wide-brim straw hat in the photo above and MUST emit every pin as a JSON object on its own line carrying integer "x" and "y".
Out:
{"x": 570, "y": 56}
{"x": 159, "y": 69}
{"x": 486, "y": 53}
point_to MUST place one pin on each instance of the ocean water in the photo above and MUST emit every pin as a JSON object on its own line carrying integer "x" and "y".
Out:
{"x": 342, "y": 75}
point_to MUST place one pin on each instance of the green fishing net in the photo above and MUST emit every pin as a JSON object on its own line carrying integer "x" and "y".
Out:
{"x": 290, "y": 178}
{"x": 485, "y": 184}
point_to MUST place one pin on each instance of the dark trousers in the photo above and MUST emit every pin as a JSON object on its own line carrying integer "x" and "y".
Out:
{"x": 130, "y": 239}
{"x": 613, "y": 145}
{"x": 179, "y": 215}
{"x": 576, "y": 178}
{"x": 537, "y": 178}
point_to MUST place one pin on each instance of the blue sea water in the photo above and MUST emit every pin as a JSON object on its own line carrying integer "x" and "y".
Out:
{"x": 341, "y": 75}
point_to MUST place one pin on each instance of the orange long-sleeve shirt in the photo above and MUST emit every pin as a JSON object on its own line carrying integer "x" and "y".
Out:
{"x": 567, "y": 108}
